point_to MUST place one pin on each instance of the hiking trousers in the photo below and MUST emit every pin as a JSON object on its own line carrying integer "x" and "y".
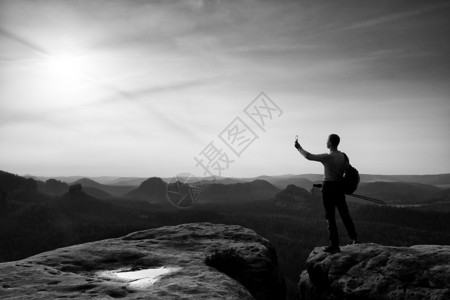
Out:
{"x": 334, "y": 196}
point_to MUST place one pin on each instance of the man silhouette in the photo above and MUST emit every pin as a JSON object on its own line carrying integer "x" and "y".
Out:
{"x": 335, "y": 164}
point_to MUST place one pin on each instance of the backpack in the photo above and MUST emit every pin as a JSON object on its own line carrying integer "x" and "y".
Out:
{"x": 351, "y": 178}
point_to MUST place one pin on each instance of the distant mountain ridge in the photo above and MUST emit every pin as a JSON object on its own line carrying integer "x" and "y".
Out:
{"x": 105, "y": 180}
{"x": 294, "y": 197}
{"x": 434, "y": 179}
{"x": 153, "y": 189}
{"x": 399, "y": 192}
{"x": 393, "y": 189}
{"x": 52, "y": 187}
{"x": 245, "y": 191}
{"x": 114, "y": 190}
{"x": 281, "y": 181}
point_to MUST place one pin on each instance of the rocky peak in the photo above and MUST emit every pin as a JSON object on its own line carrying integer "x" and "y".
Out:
{"x": 154, "y": 185}
{"x": 153, "y": 189}
{"x": 371, "y": 271}
{"x": 293, "y": 197}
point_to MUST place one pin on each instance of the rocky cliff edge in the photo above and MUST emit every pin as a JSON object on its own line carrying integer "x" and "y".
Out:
{"x": 122, "y": 267}
{"x": 371, "y": 271}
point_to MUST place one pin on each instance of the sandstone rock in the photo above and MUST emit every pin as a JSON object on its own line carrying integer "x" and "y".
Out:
{"x": 371, "y": 271}
{"x": 82, "y": 271}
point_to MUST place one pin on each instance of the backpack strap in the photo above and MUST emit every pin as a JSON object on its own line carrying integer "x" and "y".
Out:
{"x": 347, "y": 160}
{"x": 346, "y": 157}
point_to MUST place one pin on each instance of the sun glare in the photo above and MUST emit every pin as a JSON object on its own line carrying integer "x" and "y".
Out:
{"x": 65, "y": 68}
{"x": 64, "y": 65}
{"x": 66, "y": 73}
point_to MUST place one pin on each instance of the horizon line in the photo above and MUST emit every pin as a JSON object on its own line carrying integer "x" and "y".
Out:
{"x": 219, "y": 177}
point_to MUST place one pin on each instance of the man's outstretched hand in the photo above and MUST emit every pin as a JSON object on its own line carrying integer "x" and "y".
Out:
{"x": 297, "y": 145}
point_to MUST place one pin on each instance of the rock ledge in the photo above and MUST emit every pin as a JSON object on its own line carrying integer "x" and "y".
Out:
{"x": 371, "y": 271}
{"x": 72, "y": 272}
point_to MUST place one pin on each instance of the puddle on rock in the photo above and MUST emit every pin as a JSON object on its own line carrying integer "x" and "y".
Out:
{"x": 140, "y": 279}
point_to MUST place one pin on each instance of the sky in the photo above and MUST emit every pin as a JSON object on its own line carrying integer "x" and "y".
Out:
{"x": 222, "y": 87}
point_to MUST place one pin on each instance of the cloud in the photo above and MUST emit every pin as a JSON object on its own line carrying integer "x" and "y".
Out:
{"x": 139, "y": 97}
{"x": 171, "y": 71}
{"x": 26, "y": 42}
{"x": 138, "y": 94}
{"x": 398, "y": 16}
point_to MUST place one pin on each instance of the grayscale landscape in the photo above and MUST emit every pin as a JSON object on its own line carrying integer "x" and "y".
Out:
{"x": 200, "y": 149}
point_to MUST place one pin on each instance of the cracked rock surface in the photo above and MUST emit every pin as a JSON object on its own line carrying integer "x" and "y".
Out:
{"x": 372, "y": 271}
{"x": 73, "y": 272}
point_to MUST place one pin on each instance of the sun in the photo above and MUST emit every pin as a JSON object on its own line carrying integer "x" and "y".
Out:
{"x": 66, "y": 72}
{"x": 65, "y": 65}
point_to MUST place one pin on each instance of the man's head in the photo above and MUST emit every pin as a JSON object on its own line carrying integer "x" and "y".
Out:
{"x": 333, "y": 141}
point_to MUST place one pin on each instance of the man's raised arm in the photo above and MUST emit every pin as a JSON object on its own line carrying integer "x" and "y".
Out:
{"x": 309, "y": 156}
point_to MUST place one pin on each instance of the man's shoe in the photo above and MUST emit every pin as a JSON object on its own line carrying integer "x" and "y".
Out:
{"x": 331, "y": 249}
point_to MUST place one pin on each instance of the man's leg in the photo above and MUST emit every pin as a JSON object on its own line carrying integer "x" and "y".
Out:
{"x": 328, "y": 204}
{"x": 346, "y": 218}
